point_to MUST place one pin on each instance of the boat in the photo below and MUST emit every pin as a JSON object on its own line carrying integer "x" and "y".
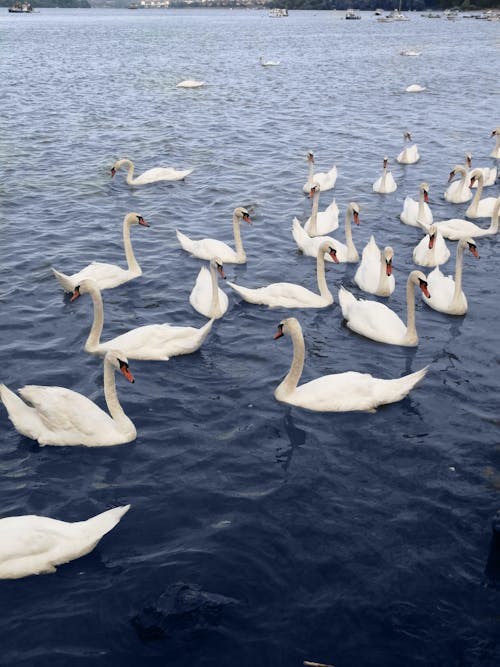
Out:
{"x": 278, "y": 12}
{"x": 21, "y": 8}
{"x": 352, "y": 15}
{"x": 394, "y": 16}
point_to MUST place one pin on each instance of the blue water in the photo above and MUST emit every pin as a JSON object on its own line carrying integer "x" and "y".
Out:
{"x": 258, "y": 534}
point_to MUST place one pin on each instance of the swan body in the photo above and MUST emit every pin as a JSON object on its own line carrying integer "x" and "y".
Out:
{"x": 326, "y": 180}
{"x": 206, "y": 296}
{"x": 190, "y": 83}
{"x": 432, "y": 250}
{"x": 59, "y": 416}
{"x": 489, "y": 173}
{"x": 480, "y": 208}
{"x": 341, "y": 392}
{"x": 374, "y": 274}
{"x": 458, "y": 192}
{"x": 106, "y": 275}
{"x": 456, "y": 228}
{"x": 151, "y": 175}
{"x": 386, "y": 182}
{"x": 157, "y": 342}
{"x": 496, "y": 151}
{"x": 417, "y": 213}
{"x": 268, "y": 63}
{"x": 290, "y": 295}
{"x": 33, "y": 544}
{"x": 378, "y": 322}
{"x": 208, "y": 248}
{"x": 410, "y": 154}
{"x": 415, "y": 88}
{"x": 410, "y": 52}
{"x": 447, "y": 294}
{"x": 321, "y": 222}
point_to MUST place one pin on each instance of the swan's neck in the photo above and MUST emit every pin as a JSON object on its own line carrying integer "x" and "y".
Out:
{"x": 477, "y": 196}
{"x": 382, "y": 288}
{"x": 421, "y": 209}
{"x": 132, "y": 263}
{"x": 384, "y": 177}
{"x": 130, "y": 171}
{"x": 314, "y": 215}
{"x": 493, "y": 228}
{"x": 458, "y": 275}
{"x": 311, "y": 173}
{"x": 123, "y": 423}
{"x": 237, "y": 239}
{"x": 352, "y": 253}
{"x": 290, "y": 382}
{"x": 321, "y": 277}
{"x": 94, "y": 337}
{"x": 215, "y": 309}
{"x": 411, "y": 328}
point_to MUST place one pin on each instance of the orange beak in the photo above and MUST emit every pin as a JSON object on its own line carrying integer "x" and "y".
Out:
{"x": 76, "y": 294}
{"x": 333, "y": 255}
{"x": 113, "y": 172}
{"x": 356, "y": 217}
{"x": 388, "y": 267}
{"x": 426, "y": 197}
{"x": 221, "y": 272}
{"x": 143, "y": 222}
{"x": 247, "y": 218}
{"x": 432, "y": 240}
{"x": 126, "y": 372}
{"x": 423, "y": 287}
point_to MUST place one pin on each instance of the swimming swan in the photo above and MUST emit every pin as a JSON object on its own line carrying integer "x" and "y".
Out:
{"x": 340, "y": 392}
{"x": 108, "y": 275}
{"x": 206, "y": 296}
{"x": 378, "y": 322}
{"x": 33, "y": 544}
{"x": 458, "y": 192}
{"x": 151, "y": 175}
{"x": 456, "y": 228}
{"x": 321, "y": 222}
{"x": 374, "y": 274}
{"x": 417, "y": 213}
{"x": 326, "y": 180}
{"x": 432, "y": 249}
{"x": 59, "y": 416}
{"x": 408, "y": 155}
{"x": 386, "y": 182}
{"x": 496, "y": 151}
{"x": 480, "y": 208}
{"x": 208, "y": 248}
{"x": 489, "y": 173}
{"x": 189, "y": 83}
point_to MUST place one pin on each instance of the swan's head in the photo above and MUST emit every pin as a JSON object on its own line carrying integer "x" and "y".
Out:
{"x": 496, "y": 131}
{"x": 119, "y": 362}
{"x": 419, "y": 278}
{"x": 310, "y": 156}
{"x": 424, "y": 188}
{"x": 468, "y": 160}
{"x": 388, "y": 255}
{"x": 86, "y": 286}
{"x": 242, "y": 214}
{"x": 328, "y": 248}
{"x": 354, "y": 207}
{"x": 136, "y": 219}
{"x": 386, "y": 162}
{"x": 432, "y": 231}
{"x": 216, "y": 262}
{"x": 476, "y": 175}
{"x": 471, "y": 245}
{"x": 286, "y": 326}
{"x": 118, "y": 165}
{"x": 407, "y": 136}
{"x": 314, "y": 189}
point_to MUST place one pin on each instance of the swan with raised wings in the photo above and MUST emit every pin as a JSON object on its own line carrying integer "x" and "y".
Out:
{"x": 496, "y": 151}
{"x": 386, "y": 182}
{"x": 60, "y": 416}
{"x": 321, "y": 222}
{"x": 206, "y": 296}
{"x": 151, "y": 175}
{"x": 489, "y": 173}
{"x": 106, "y": 275}
{"x": 378, "y": 322}
{"x": 417, "y": 213}
{"x": 408, "y": 155}
{"x": 432, "y": 249}
{"x": 290, "y": 295}
{"x": 374, "y": 274}
{"x": 340, "y": 392}
{"x": 157, "y": 342}
{"x": 480, "y": 208}
{"x": 326, "y": 179}
{"x": 458, "y": 192}
{"x": 447, "y": 294}
{"x": 31, "y": 544}
{"x": 208, "y": 248}
{"x": 457, "y": 228}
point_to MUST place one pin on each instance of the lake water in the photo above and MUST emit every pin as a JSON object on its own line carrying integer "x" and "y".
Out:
{"x": 259, "y": 534}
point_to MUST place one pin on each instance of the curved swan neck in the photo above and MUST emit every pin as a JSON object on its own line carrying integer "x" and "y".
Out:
{"x": 314, "y": 214}
{"x": 458, "y": 273}
{"x": 129, "y": 252}
{"x": 215, "y": 292}
{"x": 351, "y": 248}
{"x": 493, "y": 228}
{"x": 237, "y": 238}
{"x": 311, "y": 173}
{"x": 94, "y": 337}
{"x": 321, "y": 277}
{"x": 130, "y": 171}
{"x": 411, "y": 329}
{"x": 114, "y": 407}
{"x": 477, "y": 196}
{"x": 290, "y": 382}
{"x": 382, "y": 281}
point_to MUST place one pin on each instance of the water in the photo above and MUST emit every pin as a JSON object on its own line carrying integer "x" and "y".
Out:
{"x": 258, "y": 534}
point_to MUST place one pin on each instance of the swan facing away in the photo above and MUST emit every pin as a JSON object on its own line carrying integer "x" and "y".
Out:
{"x": 378, "y": 322}
{"x": 386, "y": 182}
{"x": 340, "y": 392}
{"x": 206, "y": 296}
{"x": 106, "y": 275}
{"x": 447, "y": 294}
{"x": 432, "y": 249}
{"x": 321, "y": 222}
{"x": 417, "y": 213}
{"x": 290, "y": 295}
{"x": 496, "y": 151}
{"x": 415, "y": 88}
{"x": 480, "y": 208}
{"x": 157, "y": 342}
{"x": 326, "y": 180}
{"x": 458, "y": 192}
{"x": 33, "y": 544}
{"x": 456, "y": 228}
{"x": 410, "y": 154}
{"x": 374, "y": 274}
{"x": 59, "y": 416}
{"x": 151, "y": 175}
{"x": 489, "y": 173}
{"x": 268, "y": 63}
{"x": 208, "y": 248}
{"x": 410, "y": 52}
{"x": 190, "y": 83}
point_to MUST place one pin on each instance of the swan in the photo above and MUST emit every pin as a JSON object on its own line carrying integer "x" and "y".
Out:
{"x": 458, "y": 192}
{"x": 268, "y": 63}
{"x": 432, "y": 249}
{"x": 345, "y": 252}
{"x": 489, "y": 173}
{"x": 189, "y": 83}
{"x": 374, "y": 274}
{"x": 290, "y": 295}
{"x": 378, "y": 322}
{"x": 496, "y": 151}
{"x": 415, "y": 88}
{"x": 59, "y": 416}
{"x": 206, "y": 297}
{"x": 408, "y": 155}
{"x": 417, "y": 213}
{"x": 208, "y": 248}
{"x": 326, "y": 180}
{"x": 456, "y": 228}
{"x": 480, "y": 208}
{"x": 410, "y": 52}
{"x": 386, "y": 182}
{"x": 340, "y": 392}
{"x": 321, "y": 222}
{"x": 154, "y": 341}
{"x": 447, "y": 294}
{"x": 151, "y": 175}
{"x": 108, "y": 275}
{"x": 31, "y": 544}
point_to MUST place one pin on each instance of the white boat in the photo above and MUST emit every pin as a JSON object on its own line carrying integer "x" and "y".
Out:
{"x": 278, "y": 12}
{"x": 21, "y": 8}
{"x": 352, "y": 15}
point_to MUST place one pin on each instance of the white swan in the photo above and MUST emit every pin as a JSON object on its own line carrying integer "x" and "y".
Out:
{"x": 340, "y": 392}
{"x": 321, "y": 222}
{"x": 59, "y": 416}
{"x": 489, "y": 173}
{"x": 386, "y": 182}
{"x": 410, "y": 52}
{"x": 374, "y": 274}
{"x": 415, "y": 88}
{"x": 190, "y": 83}
{"x": 31, "y": 544}
{"x": 326, "y": 179}
{"x": 457, "y": 228}
{"x": 268, "y": 63}
{"x": 458, "y": 192}
{"x": 290, "y": 295}
{"x": 154, "y": 341}
{"x": 108, "y": 275}
{"x": 206, "y": 296}
{"x": 480, "y": 208}
{"x": 345, "y": 252}
{"x": 432, "y": 249}
{"x": 151, "y": 175}
{"x": 378, "y": 322}
{"x": 208, "y": 248}
{"x": 417, "y": 213}
{"x": 408, "y": 155}
{"x": 447, "y": 294}
{"x": 496, "y": 151}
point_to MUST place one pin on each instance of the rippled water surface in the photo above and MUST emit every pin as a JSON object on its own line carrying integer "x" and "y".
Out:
{"x": 258, "y": 534}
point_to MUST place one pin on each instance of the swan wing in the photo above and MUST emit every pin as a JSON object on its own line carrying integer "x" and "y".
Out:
{"x": 310, "y": 246}
{"x": 158, "y": 341}
{"x": 161, "y": 174}
{"x": 326, "y": 221}
{"x": 370, "y": 318}
{"x": 456, "y": 229}
{"x": 367, "y": 275}
{"x": 442, "y": 289}
{"x": 208, "y": 248}
{"x": 286, "y": 295}
{"x": 105, "y": 275}
{"x": 201, "y": 294}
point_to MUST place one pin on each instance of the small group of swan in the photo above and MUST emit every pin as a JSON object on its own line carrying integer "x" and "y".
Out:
{"x": 151, "y": 175}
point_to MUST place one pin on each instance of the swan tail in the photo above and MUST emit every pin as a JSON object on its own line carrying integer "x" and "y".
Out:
{"x": 64, "y": 280}
{"x": 249, "y": 295}
{"x": 398, "y": 388}
{"x": 346, "y": 301}
{"x": 298, "y": 233}
{"x": 23, "y": 416}
{"x": 96, "y": 527}
{"x": 185, "y": 241}
{"x": 205, "y": 330}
